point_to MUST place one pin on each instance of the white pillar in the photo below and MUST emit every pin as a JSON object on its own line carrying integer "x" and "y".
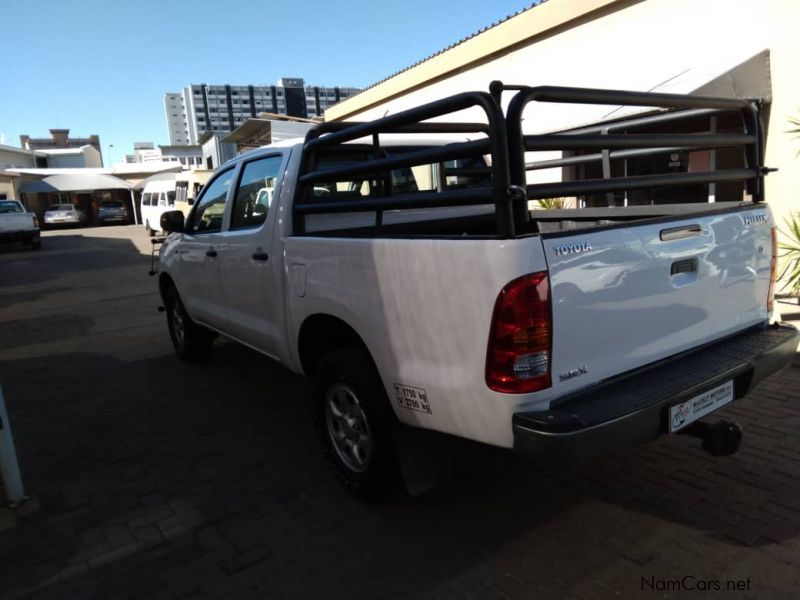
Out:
{"x": 133, "y": 206}
{"x": 9, "y": 467}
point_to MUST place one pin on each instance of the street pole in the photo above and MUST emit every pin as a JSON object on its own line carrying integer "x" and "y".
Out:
{"x": 9, "y": 466}
{"x": 110, "y": 146}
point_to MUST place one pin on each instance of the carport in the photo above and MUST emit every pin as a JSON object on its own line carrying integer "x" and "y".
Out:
{"x": 84, "y": 190}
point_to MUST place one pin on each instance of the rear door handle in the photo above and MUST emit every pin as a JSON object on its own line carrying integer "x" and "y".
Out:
{"x": 211, "y": 253}
{"x": 679, "y": 233}
{"x": 260, "y": 255}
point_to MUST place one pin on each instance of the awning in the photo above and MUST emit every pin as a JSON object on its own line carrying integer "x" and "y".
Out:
{"x": 749, "y": 78}
{"x": 156, "y": 177}
{"x": 78, "y": 182}
{"x": 252, "y": 132}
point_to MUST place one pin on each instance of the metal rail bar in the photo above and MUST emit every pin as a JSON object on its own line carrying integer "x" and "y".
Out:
{"x": 435, "y": 127}
{"x": 401, "y": 201}
{"x": 574, "y": 95}
{"x": 412, "y": 116}
{"x": 411, "y": 120}
{"x": 647, "y": 120}
{"x": 467, "y": 171}
{"x": 518, "y": 143}
{"x": 637, "y": 140}
{"x": 638, "y": 182}
{"x": 404, "y": 159}
{"x": 580, "y": 159}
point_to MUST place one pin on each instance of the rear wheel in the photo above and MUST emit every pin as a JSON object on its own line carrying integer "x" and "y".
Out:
{"x": 192, "y": 342}
{"x": 353, "y": 421}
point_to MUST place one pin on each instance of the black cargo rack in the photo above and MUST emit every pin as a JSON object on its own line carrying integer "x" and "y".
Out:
{"x": 505, "y": 144}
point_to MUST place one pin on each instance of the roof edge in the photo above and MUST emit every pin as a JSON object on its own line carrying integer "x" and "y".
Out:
{"x": 536, "y": 21}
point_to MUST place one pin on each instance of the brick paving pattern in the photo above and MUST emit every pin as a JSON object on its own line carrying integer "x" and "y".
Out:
{"x": 158, "y": 479}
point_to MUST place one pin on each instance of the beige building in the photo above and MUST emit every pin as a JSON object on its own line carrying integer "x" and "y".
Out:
{"x": 742, "y": 48}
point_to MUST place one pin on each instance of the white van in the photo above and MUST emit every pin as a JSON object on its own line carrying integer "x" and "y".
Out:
{"x": 157, "y": 197}
{"x": 187, "y": 187}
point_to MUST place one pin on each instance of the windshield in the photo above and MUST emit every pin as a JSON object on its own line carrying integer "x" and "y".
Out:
{"x": 10, "y": 207}
{"x": 111, "y": 205}
{"x": 60, "y": 207}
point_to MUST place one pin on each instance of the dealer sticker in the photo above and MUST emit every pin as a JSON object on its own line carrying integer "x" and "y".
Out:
{"x": 412, "y": 398}
{"x": 687, "y": 412}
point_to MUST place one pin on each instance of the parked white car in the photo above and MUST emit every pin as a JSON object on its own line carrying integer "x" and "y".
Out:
{"x": 157, "y": 198}
{"x": 64, "y": 214}
{"x": 413, "y": 280}
{"x": 17, "y": 225}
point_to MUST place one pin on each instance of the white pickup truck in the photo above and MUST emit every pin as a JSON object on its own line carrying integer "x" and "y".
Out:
{"x": 17, "y": 225}
{"x": 406, "y": 266}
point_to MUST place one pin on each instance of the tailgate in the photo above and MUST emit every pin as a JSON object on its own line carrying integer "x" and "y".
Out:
{"x": 629, "y": 295}
{"x": 16, "y": 222}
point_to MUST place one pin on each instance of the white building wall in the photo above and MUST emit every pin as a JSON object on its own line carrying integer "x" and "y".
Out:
{"x": 175, "y": 113}
{"x": 650, "y": 45}
{"x": 185, "y": 111}
{"x": 15, "y": 157}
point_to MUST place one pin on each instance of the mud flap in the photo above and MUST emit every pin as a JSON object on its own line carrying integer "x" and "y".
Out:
{"x": 423, "y": 458}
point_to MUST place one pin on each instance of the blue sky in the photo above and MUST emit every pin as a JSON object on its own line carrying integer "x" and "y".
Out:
{"x": 103, "y": 66}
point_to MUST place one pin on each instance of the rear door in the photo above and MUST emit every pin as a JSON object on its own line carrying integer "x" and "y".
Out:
{"x": 197, "y": 274}
{"x": 249, "y": 269}
{"x": 626, "y": 296}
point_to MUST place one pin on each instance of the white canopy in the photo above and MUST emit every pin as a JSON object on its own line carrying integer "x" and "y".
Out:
{"x": 75, "y": 182}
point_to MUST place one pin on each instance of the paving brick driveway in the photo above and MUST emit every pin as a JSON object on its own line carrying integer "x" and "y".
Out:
{"x": 162, "y": 480}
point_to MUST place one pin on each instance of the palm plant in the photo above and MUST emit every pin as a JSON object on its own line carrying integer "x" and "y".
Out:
{"x": 790, "y": 275}
{"x": 552, "y": 203}
{"x": 791, "y": 247}
{"x": 795, "y": 122}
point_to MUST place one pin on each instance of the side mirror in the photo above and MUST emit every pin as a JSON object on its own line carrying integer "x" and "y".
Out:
{"x": 172, "y": 221}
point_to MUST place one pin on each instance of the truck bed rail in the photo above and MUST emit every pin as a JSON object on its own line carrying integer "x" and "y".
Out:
{"x": 502, "y": 140}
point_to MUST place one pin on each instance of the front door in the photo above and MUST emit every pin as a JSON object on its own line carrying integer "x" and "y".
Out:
{"x": 249, "y": 270}
{"x": 198, "y": 274}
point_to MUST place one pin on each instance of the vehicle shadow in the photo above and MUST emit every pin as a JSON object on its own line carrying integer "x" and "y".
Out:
{"x": 64, "y": 254}
{"x": 154, "y": 474}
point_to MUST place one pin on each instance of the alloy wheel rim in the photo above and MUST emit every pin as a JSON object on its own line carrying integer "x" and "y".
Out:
{"x": 348, "y": 427}
{"x": 177, "y": 324}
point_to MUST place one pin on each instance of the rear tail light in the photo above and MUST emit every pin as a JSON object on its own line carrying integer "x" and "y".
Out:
{"x": 773, "y": 270}
{"x": 520, "y": 340}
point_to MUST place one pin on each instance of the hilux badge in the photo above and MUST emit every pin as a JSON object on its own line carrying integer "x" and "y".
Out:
{"x": 573, "y": 373}
{"x": 755, "y": 219}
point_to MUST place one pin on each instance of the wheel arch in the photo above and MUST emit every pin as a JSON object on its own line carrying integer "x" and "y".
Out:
{"x": 165, "y": 282}
{"x": 321, "y": 334}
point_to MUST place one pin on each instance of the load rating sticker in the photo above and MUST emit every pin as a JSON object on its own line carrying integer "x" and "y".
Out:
{"x": 412, "y": 398}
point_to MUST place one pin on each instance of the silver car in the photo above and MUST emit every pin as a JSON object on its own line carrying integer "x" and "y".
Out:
{"x": 64, "y": 214}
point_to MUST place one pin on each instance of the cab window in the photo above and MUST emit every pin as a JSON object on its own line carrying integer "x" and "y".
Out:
{"x": 210, "y": 209}
{"x": 255, "y": 193}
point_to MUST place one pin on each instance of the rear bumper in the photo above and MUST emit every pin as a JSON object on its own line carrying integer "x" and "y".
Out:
{"x": 62, "y": 221}
{"x": 15, "y": 237}
{"x": 633, "y": 408}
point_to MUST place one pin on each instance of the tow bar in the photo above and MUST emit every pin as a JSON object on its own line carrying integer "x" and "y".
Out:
{"x": 719, "y": 439}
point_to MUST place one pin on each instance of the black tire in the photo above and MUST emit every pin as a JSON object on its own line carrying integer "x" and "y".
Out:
{"x": 192, "y": 342}
{"x": 36, "y": 245}
{"x": 352, "y": 369}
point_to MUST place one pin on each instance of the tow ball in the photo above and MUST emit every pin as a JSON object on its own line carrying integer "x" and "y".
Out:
{"x": 719, "y": 439}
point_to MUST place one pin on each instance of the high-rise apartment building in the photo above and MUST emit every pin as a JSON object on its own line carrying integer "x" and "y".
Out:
{"x": 222, "y": 108}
